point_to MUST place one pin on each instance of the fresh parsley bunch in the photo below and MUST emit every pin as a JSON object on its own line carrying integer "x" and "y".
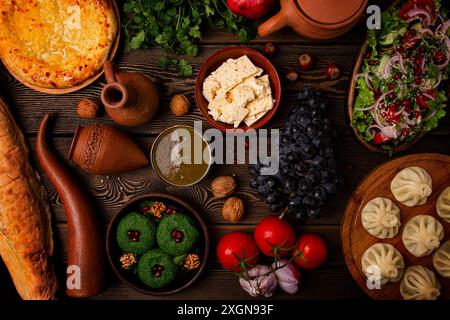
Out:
{"x": 176, "y": 26}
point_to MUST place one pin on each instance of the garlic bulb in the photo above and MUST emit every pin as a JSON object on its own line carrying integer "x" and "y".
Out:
{"x": 263, "y": 282}
{"x": 288, "y": 277}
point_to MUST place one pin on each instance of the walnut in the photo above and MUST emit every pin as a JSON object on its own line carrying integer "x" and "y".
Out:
{"x": 233, "y": 209}
{"x": 157, "y": 209}
{"x": 180, "y": 104}
{"x": 191, "y": 262}
{"x": 128, "y": 260}
{"x": 223, "y": 186}
{"x": 88, "y": 108}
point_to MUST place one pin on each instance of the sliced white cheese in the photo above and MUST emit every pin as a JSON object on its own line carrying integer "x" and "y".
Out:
{"x": 263, "y": 104}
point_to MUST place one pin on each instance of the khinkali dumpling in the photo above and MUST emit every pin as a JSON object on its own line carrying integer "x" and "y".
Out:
{"x": 381, "y": 218}
{"x": 441, "y": 260}
{"x": 420, "y": 283}
{"x": 411, "y": 186}
{"x": 382, "y": 259}
{"x": 422, "y": 235}
{"x": 443, "y": 205}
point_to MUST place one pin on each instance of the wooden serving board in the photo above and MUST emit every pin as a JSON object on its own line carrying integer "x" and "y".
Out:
{"x": 356, "y": 240}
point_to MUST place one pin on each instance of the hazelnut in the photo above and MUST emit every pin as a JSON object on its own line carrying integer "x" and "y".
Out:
{"x": 269, "y": 49}
{"x": 88, "y": 108}
{"x": 223, "y": 186}
{"x": 291, "y": 75}
{"x": 179, "y": 104}
{"x": 305, "y": 61}
{"x": 233, "y": 209}
{"x": 332, "y": 71}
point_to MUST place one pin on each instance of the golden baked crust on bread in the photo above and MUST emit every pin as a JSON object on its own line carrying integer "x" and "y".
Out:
{"x": 56, "y": 43}
{"x": 26, "y": 243}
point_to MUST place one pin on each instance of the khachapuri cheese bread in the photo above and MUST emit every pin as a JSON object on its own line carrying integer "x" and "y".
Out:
{"x": 26, "y": 244}
{"x": 238, "y": 92}
{"x": 56, "y": 43}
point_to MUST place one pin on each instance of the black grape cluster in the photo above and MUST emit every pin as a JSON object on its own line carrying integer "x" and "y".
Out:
{"x": 308, "y": 171}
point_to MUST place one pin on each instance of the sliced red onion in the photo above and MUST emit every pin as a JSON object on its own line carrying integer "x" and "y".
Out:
{"x": 359, "y": 75}
{"x": 375, "y": 116}
{"x": 422, "y": 65}
{"x": 365, "y": 109}
{"x": 426, "y": 30}
{"x": 375, "y": 104}
{"x": 402, "y": 66}
{"x": 443, "y": 28}
{"x": 431, "y": 115}
{"x": 420, "y": 12}
{"x": 387, "y": 69}
{"x": 429, "y": 96}
{"x": 438, "y": 82}
{"x": 368, "y": 81}
{"x": 400, "y": 111}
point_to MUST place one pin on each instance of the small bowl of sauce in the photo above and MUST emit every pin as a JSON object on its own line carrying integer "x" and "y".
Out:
{"x": 181, "y": 156}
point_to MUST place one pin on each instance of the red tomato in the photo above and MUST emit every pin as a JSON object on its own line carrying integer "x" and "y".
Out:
{"x": 237, "y": 247}
{"x": 273, "y": 232}
{"x": 312, "y": 251}
{"x": 379, "y": 138}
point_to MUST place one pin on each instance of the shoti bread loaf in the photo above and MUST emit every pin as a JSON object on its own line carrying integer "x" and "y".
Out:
{"x": 26, "y": 243}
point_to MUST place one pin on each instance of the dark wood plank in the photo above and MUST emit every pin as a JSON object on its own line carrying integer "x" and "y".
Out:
{"x": 112, "y": 192}
{"x": 29, "y": 105}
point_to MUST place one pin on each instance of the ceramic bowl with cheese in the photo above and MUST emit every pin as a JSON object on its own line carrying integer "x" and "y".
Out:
{"x": 237, "y": 88}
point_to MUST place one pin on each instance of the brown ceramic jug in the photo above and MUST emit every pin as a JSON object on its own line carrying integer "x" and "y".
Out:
{"x": 86, "y": 272}
{"x": 103, "y": 149}
{"x": 315, "y": 19}
{"x": 130, "y": 98}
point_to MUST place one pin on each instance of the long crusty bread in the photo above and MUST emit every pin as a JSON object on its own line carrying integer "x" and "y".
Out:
{"x": 26, "y": 243}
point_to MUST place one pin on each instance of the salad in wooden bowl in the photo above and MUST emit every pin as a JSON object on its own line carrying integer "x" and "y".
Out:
{"x": 397, "y": 93}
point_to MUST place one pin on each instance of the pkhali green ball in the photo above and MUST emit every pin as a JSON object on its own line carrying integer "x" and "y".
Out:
{"x": 135, "y": 233}
{"x": 177, "y": 234}
{"x": 156, "y": 269}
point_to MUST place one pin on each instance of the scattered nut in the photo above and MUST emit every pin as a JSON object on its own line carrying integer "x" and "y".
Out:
{"x": 233, "y": 209}
{"x": 180, "y": 104}
{"x": 332, "y": 71}
{"x": 223, "y": 186}
{"x": 305, "y": 61}
{"x": 269, "y": 49}
{"x": 291, "y": 75}
{"x": 88, "y": 108}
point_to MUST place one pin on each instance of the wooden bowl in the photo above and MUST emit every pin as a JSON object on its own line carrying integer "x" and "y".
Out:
{"x": 182, "y": 281}
{"x": 111, "y": 55}
{"x": 234, "y": 52}
{"x": 356, "y": 240}
{"x": 352, "y": 96}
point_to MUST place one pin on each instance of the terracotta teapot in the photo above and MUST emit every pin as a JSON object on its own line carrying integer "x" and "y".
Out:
{"x": 130, "y": 98}
{"x": 315, "y": 19}
{"x": 103, "y": 149}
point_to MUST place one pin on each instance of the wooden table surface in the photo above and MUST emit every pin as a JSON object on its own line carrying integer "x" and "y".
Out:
{"x": 332, "y": 281}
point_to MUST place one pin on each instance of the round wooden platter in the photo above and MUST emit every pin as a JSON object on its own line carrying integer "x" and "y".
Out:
{"x": 356, "y": 240}
{"x": 112, "y": 54}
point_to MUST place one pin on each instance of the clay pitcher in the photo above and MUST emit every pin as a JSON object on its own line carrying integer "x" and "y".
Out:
{"x": 130, "y": 98}
{"x": 103, "y": 149}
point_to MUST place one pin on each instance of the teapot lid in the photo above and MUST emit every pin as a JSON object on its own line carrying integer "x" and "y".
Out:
{"x": 330, "y": 11}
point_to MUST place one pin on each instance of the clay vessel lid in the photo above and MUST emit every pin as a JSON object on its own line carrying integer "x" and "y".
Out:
{"x": 330, "y": 11}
